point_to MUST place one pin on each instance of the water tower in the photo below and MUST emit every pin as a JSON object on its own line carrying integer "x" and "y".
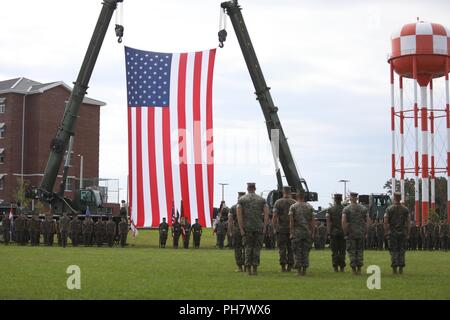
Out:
{"x": 420, "y": 57}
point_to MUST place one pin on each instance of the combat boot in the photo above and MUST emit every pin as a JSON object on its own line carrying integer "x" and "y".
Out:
{"x": 249, "y": 269}
{"x": 303, "y": 271}
{"x": 342, "y": 269}
{"x": 400, "y": 270}
{"x": 394, "y": 270}
{"x": 283, "y": 268}
{"x": 255, "y": 270}
{"x": 239, "y": 269}
{"x": 289, "y": 268}
{"x": 354, "y": 272}
{"x": 335, "y": 269}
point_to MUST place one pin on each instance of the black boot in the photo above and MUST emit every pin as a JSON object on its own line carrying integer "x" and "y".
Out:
{"x": 255, "y": 270}
{"x": 335, "y": 269}
{"x": 342, "y": 269}
{"x": 283, "y": 268}
{"x": 400, "y": 270}
{"x": 289, "y": 268}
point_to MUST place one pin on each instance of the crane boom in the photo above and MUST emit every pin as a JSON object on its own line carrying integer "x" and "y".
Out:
{"x": 264, "y": 97}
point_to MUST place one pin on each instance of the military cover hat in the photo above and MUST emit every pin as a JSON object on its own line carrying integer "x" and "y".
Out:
{"x": 337, "y": 196}
{"x": 287, "y": 189}
{"x": 353, "y": 194}
{"x": 251, "y": 185}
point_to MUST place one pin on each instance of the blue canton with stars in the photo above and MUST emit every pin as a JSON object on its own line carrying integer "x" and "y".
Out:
{"x": 148, "y": 78}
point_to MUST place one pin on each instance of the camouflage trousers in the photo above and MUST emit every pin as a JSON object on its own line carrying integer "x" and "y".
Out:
{"x": 197, "y": 238}
{"x": 301, "y": 248}
{"x": 6, "y": 237}
{"x": 239, "y": 252}
{"x": 355, "y": 249}
{"x": 176, "y": 238}
{"x": 285, "y": 249}
{"x": 397, "y": 250}
{"x": 253, "y": 244}
{"x": 220, "y": 240}
{"x": 444, "y": 243}
{"x": 337, "y": 245}
{"x": 162, "y": 239}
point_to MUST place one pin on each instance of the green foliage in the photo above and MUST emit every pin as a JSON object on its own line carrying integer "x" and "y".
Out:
{"x": 143, "y": 271}
{"x": 19, "y": 195}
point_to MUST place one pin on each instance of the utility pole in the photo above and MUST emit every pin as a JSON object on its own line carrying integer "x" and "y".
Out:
{"x": 223, "y": 189}
{"x": 345, "y": 187}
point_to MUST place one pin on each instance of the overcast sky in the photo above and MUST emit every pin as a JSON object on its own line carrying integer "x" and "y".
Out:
{"x": 324, "y": 60}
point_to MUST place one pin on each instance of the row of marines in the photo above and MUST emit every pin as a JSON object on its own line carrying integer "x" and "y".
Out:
{"x": 87, "y": 232}
{"x": 294, "y": 224}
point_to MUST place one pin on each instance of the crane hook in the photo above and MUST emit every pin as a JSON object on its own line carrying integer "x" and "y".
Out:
{"x": 222, "y": 37}
{"x": 119, "y": 32}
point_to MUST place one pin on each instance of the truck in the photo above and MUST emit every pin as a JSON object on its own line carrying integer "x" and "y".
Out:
{"x": 270, "y": 111}
{"x": 88, "y": 198}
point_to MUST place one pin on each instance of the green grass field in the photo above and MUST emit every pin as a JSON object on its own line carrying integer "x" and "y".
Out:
{"x": 143, "y": 271}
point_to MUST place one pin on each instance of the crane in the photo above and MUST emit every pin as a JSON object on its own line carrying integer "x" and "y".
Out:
{"x": 62, "y": 142}
{"x": 270, "y": 111}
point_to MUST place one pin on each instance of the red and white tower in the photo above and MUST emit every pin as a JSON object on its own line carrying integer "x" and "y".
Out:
{"x": 420, "y": 52}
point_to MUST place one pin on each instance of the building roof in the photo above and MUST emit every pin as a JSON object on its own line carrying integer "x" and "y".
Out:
{"x": 27, "y": 86}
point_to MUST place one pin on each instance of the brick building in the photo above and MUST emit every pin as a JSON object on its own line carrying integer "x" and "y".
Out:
{"x": 30, "y": 113}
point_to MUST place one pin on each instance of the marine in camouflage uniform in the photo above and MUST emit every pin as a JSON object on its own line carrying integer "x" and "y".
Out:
{"x": 100, "y": 231}
{"x": 436, "y": 238}
{"x": 334, "y": 229}
{"x": 49, "y": 230}
{"x": 19, "y": 230}
{"x": 354, "y": 224}
{"x": 234, "y": 231}
{"x": 250, "y": 209}
{"x": 269, "y": 238}
{"x": 220, "y": 233}
{"x": 379, "y": 229}
{"x": 6, "y": 228}
{"x": 110, "y": 231}
{"x": 281, "y": 228}
{"x": 186, "y": 233}
{"x": 444, "y": 229}
{"x": 75, "y": 230}
{"x": 396, "y": 226}
{"x": 428, "y": 229}
{"x": 64, "y": 225}
{"x": 176, "y": 232}
{"x": 163, "y": 233}
{"x": 88, "y": 229}
{"x": 301, "y": 223}
{"x": 123, "y": 232}
{"x": 197, "y": 233}
{"x": 322, "y": 230}
{"x": 371, "y": 236}
{"x": 413, "y": 236}
{"x": 35, "y": 230}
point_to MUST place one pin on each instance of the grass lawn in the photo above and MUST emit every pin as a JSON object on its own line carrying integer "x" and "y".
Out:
{"x": 143, "y": 271}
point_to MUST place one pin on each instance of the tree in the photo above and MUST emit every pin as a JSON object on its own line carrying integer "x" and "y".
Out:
{"x": 441, "y": 195}
{"x": 19, "y": 195}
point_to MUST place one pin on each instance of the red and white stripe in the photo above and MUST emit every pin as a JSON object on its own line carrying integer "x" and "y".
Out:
{"x": 171, "y": 148}
{"x": 447, "y": 110}
{"x": 393, "y": 184}
{"x": 425, "y": 176}
{"x": 432, "y": 168}
{"x": 402, "y": 141}
{"x": 416, "y": 150}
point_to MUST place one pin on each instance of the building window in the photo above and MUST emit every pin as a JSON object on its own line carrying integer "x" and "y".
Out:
{"x": 2, "y": 181}
{"x": 2, "y": 130}
{"x": 69, "y": 184}
{"x": 2, "y": 155}
{"x": 2, "y": 105}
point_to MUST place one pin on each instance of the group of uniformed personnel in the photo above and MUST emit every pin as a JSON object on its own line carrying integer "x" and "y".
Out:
{"x": 183, "y": 229}
{"x": 88, "y": 232}
{"x": 295, "y": 227}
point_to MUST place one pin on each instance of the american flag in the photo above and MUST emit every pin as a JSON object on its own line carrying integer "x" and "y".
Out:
{"x": 170, "y": 135}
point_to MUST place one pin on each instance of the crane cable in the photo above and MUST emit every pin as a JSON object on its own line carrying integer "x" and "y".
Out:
{"x": 119, "y": 21}
{"x": 222, "y": 27}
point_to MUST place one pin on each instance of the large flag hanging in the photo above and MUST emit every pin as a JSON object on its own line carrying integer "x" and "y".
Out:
{"x": 170, "y": 135}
